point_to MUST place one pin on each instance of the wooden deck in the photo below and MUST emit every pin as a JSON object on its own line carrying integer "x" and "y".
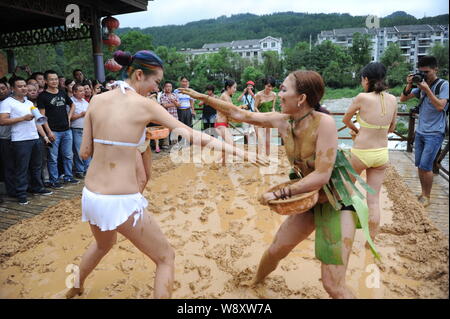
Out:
{"x": 438, "y": 210}
{"x": 11, "y": 212}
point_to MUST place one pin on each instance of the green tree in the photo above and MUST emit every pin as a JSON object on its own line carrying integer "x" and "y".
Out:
{"x": 298, "y": 57}
{"x": 272, "y": 65}
{"x": 332, "y": 75}
{"x": 252, "y": 73}
{"x": 396, "y": 65}
{"x": 78, "y": 55}
{"x": 134, "y": 41}
{"x": 360, "y": 50}
{"x": 334, "y": 63}
{"x": 326, "y": 52}
{"x": 392, "y": 55}
{"x": 200, "y": 71}
{"x": 175, "y": 63}
{"x": 440, "y": 52}
{"x": 37, "y": 57}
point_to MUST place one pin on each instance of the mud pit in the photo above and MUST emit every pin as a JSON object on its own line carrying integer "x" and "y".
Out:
{"x": 219, "y": 232}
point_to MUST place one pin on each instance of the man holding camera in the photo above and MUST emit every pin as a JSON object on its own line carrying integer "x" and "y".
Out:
{"x": 248, "y": 97}
{"x": 432, "y": 108}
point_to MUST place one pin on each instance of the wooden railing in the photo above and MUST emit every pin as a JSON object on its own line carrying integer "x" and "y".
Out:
{"x": 409, "y": 138}
{"x": 400, "y": 137}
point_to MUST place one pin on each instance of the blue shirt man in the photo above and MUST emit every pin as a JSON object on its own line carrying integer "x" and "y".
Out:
{"x": 432, "y": 120}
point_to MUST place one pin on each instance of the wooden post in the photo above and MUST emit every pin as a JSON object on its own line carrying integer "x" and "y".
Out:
{"x": 11, "y": 60}
{"x": 96, "y": 38}
{"x": 411, "y": 133}
{"x": 439, "y": 157}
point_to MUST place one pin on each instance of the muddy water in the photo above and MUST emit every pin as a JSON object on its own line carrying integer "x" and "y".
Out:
{"x": 219, "y": 232}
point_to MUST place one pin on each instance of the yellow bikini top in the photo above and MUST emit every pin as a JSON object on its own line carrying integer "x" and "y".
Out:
{"x": 368, "y": 125}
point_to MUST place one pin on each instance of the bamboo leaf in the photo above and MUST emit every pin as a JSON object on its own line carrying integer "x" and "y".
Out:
{"x": 349, "y": 168}
{"x": 340, "y": 187}
{"x": 331, "y": 199}
{"x": 347, "y": 178}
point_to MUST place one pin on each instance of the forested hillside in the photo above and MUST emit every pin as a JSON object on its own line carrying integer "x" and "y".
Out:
{"x": 291, "y": 26}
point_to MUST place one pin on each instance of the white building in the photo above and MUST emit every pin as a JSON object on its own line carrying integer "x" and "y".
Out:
{"x": 414, "y": 40}
{"x": 245, "y": 48}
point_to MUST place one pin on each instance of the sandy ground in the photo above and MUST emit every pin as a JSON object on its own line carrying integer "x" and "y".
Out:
{"x": 219, "y": 232}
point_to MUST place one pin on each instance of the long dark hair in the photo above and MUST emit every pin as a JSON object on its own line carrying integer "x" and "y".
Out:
{"x": 375, "y": 72}
{"x": 228, "y": 83}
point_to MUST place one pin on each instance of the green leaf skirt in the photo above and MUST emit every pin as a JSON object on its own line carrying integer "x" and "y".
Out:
{"x": 327, "y": 216}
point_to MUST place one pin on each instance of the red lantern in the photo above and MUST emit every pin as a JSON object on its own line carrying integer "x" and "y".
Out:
{"x": 112, "y": 65}
{"x": 112, "y": 40}
{"x": 110, "y": 23}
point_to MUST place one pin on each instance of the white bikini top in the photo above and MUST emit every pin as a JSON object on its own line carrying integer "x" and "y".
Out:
{"x": 122, "y": 85}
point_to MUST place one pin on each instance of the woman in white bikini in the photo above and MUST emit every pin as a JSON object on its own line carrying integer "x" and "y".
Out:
{"x": 111, "y": 200}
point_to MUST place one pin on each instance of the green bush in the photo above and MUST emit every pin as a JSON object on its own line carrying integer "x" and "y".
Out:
{"x": 401, "y": 128}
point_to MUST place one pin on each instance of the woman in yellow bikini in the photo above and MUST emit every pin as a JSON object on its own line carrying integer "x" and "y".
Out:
{"x": 370, "y": 152}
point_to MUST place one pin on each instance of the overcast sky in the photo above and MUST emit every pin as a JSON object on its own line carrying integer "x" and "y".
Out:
{"x": 164, "y": 12}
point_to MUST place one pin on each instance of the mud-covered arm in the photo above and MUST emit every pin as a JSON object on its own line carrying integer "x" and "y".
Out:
{"x": 160, "y": 116}
{"x": 325, "y": 156}
{"x": 271, "y": 119}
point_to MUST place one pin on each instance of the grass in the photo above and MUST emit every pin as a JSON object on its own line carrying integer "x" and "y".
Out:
{"x": 333, "y": 94}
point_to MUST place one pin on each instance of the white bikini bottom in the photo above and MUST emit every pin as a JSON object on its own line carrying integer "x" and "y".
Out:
{"x": 109, "y": 211}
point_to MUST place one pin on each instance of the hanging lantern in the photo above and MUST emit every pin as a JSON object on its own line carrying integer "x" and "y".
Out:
{"x": 110, "y": 23}
{"x": 112, "y": 41}
{"x": 112, "y": 65}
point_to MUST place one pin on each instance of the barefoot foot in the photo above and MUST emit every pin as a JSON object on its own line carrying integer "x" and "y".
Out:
{"x": 74, "y": 292}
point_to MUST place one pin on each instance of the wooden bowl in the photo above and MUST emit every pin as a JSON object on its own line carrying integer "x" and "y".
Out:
{"x": 297, "y": 204}
{"x": 157, "y": 132}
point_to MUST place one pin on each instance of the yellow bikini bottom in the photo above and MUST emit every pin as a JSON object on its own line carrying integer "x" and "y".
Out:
{"x": 373, "y": 157}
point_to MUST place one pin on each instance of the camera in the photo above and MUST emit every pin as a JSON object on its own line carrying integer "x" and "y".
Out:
{"x": 418, "y": 77}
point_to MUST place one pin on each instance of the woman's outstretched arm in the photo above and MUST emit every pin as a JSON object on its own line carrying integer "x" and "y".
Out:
{"x": 160, "y": 116}
{"x": 326, "y": 148}
{"x": 271, "y": 119}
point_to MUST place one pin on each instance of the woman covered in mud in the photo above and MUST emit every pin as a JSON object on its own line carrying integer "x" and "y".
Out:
{"x": 370, "y": 151}
{"x": 112, "y": 201}
{"x": 310, "y": 139}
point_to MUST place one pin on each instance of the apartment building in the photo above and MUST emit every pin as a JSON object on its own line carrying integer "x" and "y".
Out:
{"x": 414, "y": 40}
{"x": 245, "y": 48}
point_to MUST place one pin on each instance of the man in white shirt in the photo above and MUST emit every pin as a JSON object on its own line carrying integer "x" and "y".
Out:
{"x": 186, "y": 109}
{"x": 6, "y": 153}
{"x": 77, "y": 124}
{"x": 16, "y": 112}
